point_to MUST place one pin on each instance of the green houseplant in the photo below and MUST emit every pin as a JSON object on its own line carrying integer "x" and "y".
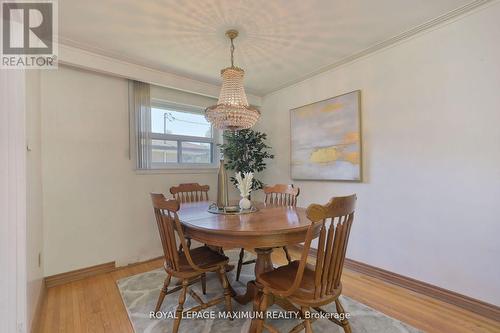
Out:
{"x": 246, "y": 151}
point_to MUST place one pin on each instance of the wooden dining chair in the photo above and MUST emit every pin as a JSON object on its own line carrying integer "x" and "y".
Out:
{"x": 318, "y": 285}
{"x": 190, "y": 192}
{"x": 281, "y": 195}
{"x": 190, "y": 265}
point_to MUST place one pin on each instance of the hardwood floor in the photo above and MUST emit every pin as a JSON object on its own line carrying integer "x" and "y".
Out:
{"x": 94, "y": 305}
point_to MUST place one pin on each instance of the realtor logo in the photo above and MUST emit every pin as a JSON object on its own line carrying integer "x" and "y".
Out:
{"x": 28, "y": 34}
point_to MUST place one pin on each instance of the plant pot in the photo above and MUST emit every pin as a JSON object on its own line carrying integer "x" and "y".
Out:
{"x": 245, "y": 204}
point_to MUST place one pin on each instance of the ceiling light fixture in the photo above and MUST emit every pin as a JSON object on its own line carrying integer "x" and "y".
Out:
{"x": 232, "y": 111}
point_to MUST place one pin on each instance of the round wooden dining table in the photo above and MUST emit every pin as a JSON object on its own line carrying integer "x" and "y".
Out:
{"x": 269, "y": 227}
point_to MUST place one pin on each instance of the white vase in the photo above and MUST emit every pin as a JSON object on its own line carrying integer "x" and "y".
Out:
{"x": 245, "y": 203}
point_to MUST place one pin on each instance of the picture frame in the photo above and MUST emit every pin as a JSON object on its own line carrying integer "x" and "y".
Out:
{"x": 326, "y": 139}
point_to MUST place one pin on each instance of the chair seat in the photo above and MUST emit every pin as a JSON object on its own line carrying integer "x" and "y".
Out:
{"x": 281, "y": 279}
{"x": 203, "y": 257}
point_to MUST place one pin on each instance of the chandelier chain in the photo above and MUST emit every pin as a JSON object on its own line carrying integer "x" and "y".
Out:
{"x": 232, "y": 52}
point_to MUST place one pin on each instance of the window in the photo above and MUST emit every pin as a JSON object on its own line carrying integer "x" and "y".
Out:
{"x": 180, "y": 137}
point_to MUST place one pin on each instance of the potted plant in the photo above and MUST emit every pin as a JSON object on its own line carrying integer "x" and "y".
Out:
{"x": 244, "y": 184}
{"x": 246, "y": 151}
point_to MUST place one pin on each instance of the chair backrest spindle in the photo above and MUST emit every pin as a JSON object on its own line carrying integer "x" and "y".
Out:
{"x": 166, "y": 215}
{"x": 190, "y": 192}
{"x": 281, "y": 194}
{"x": 336, "y": 219}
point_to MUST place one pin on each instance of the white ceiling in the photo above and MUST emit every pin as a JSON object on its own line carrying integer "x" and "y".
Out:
{"x": 281, "y": 41}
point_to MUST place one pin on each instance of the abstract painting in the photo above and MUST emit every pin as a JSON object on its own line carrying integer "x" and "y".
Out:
{"x": 326, "y": 139}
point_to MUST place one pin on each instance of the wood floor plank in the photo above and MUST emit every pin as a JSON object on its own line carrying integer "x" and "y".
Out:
{"x": 94, "y": 304}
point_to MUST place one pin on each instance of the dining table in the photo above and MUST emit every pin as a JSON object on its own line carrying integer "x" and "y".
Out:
{"x": 270, "y": 226}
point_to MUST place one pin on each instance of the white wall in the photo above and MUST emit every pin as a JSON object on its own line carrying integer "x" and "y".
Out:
{"x": 430, "y": 204}
{"x": 13, "y": 277}
{"x": 96, "y": 208}
{"x": 34, "y": 223}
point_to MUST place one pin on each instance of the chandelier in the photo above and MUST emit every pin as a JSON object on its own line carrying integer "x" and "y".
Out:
{"x": 232, "y": 111}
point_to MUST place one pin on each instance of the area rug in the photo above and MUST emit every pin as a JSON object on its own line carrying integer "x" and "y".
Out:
{"x": 140, "y": 293}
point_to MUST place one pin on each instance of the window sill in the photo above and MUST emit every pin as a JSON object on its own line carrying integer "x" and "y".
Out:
{"x": 211, "y": 170}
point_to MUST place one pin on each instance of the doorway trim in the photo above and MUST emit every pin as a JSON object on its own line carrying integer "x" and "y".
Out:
{"x": 13, "y": 302}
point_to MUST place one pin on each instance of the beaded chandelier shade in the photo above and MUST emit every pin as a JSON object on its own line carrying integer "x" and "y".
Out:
{"x": 232, "y": 111}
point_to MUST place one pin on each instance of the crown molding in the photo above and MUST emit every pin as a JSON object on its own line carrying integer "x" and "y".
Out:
{"x": 85, "y": 59}
{"x": 88, "y": 57}
{"x": 425, "y": 27}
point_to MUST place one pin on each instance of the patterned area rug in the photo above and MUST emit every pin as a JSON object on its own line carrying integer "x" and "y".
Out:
{"x": 140, "y": 293}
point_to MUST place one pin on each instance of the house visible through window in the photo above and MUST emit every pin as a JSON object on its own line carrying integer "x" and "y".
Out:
{"x": 180, "y": 136}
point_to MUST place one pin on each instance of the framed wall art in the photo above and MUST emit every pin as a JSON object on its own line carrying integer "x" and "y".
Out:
{"x": 326, "y": 139}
